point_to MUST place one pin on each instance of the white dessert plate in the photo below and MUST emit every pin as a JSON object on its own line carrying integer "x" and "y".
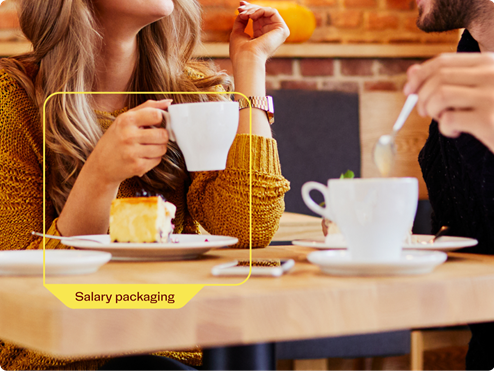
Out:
{"x": 338, "y": 262}
{"x": 185, "y": 246}
{"x": 418, "y": 242}
{"x": 57, "y": 262}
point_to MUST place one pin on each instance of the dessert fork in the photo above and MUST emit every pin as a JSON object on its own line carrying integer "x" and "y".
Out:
{"x": 74, "y": 238}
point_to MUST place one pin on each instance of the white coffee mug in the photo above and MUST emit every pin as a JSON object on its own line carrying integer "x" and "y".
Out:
{"x": 374, "y": 215}
{"x": 204, "y": 132}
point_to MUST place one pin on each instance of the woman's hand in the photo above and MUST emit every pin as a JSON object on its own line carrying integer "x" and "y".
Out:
{"x": 270, "y": 31}
{"x": 133, "y": 145}
{"x": 249, "y": 56}
{"x": 457, "y": 90}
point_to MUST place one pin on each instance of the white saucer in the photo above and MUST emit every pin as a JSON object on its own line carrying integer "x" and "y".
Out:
{"x": 187, "y": 246}
{"x": 335, "y": 241}
{"x": 418, "y": 242}
{"x": 338, "y": 262}
{"x": 57, "y": 262}
{"x": 444, "y": 243}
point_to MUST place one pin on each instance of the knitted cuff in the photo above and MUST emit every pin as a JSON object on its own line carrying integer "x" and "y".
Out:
{"x": 265, "y": 157}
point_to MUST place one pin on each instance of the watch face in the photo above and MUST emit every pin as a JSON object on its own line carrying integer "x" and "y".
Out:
{"x": 270, "y": 103}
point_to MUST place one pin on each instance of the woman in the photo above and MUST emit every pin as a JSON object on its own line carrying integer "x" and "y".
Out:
{"x": 97, "y": 149}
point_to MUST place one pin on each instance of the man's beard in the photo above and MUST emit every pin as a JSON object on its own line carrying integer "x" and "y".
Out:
{"x": 447, "y": 15}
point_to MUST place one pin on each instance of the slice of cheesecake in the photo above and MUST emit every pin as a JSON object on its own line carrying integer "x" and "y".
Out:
{"x": 141, "y": 219}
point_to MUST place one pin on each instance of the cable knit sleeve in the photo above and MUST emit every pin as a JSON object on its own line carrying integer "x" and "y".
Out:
{"x": 21, "y": 176}
{"x": 219, "y": 200}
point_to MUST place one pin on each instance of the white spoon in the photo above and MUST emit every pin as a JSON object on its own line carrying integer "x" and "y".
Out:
{"x": 385, "y": 150}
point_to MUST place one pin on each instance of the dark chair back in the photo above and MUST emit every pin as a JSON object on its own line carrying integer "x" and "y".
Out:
{"x": 318, "y": 138}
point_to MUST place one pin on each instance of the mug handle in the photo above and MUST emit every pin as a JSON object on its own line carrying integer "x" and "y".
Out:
{"x": 168, "y": 126}
{"x": 323, "y": 211}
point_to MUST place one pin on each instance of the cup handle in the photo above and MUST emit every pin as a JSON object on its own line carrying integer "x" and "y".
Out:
{"x": 168, "y": 127}
{"x": 323, "y": 211}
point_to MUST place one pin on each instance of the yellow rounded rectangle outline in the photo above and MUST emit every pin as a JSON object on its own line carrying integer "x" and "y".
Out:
{"x": 133, "y": 296}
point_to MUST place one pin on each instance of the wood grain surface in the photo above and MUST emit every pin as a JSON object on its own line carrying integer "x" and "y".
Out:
{"x": 305, "y": 303}
{"x": 378, "y": 113}
{"x": 298, "y": 226}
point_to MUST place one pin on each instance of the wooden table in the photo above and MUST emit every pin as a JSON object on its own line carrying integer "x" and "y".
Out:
{"x": 298, "y": 226}
{"x": 302, "y": 304}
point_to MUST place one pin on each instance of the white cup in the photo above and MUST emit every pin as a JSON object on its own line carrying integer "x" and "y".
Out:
{"x": 374, "y": 215}
{"x": 204, "y": 132}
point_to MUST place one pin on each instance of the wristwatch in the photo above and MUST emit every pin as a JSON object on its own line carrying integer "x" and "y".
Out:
{"x": 262, "y": 103}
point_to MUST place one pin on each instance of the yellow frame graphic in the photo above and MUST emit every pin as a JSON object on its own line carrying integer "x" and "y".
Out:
{"x": 187, "y": 290}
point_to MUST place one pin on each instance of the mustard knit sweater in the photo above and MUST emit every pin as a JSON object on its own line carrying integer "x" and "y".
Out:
{"x": 219, "y": 201}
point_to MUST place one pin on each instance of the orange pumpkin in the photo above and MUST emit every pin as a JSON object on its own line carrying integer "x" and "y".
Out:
{"x": 299, "y": 19}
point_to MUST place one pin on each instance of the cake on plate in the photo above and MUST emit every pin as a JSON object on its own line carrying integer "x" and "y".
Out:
{"x": 141, "y": 219}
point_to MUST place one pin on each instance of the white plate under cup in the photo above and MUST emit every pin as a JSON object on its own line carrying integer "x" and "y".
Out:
{"x": 372, "y": 214}
{"x": 204, "y": 132}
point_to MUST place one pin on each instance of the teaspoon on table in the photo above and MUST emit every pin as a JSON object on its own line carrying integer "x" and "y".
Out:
{"x": 75, "y": 238}
{"x": 385, "y": 150}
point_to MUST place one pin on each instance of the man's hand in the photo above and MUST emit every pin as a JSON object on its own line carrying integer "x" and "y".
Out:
{"x": 457, "y": 90}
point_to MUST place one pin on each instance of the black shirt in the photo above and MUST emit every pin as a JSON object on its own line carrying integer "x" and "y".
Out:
{"x": 459, "y": 174}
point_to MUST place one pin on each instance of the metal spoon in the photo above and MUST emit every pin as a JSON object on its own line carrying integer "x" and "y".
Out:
{"x": 385, "y": 150}
{"x": 74, "y": 238}
{"x": 444, "y": 229}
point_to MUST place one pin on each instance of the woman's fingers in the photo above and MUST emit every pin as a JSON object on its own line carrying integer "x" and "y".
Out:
{"x": 267, "y": 14}
{"x": 263, "y": 27}
{"x": 143, "y": 117}
{"x": 239, "y": 26}
{"x": 143, "y": 165}
{"x": 270, "y": 31}
{"x": 264, "y": 14}
{"x": 134, "y": 144}
{"x": 152, "y": 136}
{"x": 143, "y": 158}
{"x": 151, "y": 151}
{"x": 246, "y": 8}
{"x": 261, "y": 24}
{"x": 159, "y": 104}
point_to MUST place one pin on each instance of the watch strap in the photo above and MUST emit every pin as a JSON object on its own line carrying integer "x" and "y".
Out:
{"x": 262, "y": 103}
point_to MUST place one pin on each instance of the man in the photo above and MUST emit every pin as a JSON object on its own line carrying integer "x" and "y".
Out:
{"x": 457, "y": 91}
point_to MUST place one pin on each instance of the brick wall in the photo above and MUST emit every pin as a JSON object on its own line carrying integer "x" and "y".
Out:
{"x": 340, "y": 21}
{"x": 349, "y": 75}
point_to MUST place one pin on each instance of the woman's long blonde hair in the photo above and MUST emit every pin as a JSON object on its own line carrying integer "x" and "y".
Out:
{"x": 65, "y": 42}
